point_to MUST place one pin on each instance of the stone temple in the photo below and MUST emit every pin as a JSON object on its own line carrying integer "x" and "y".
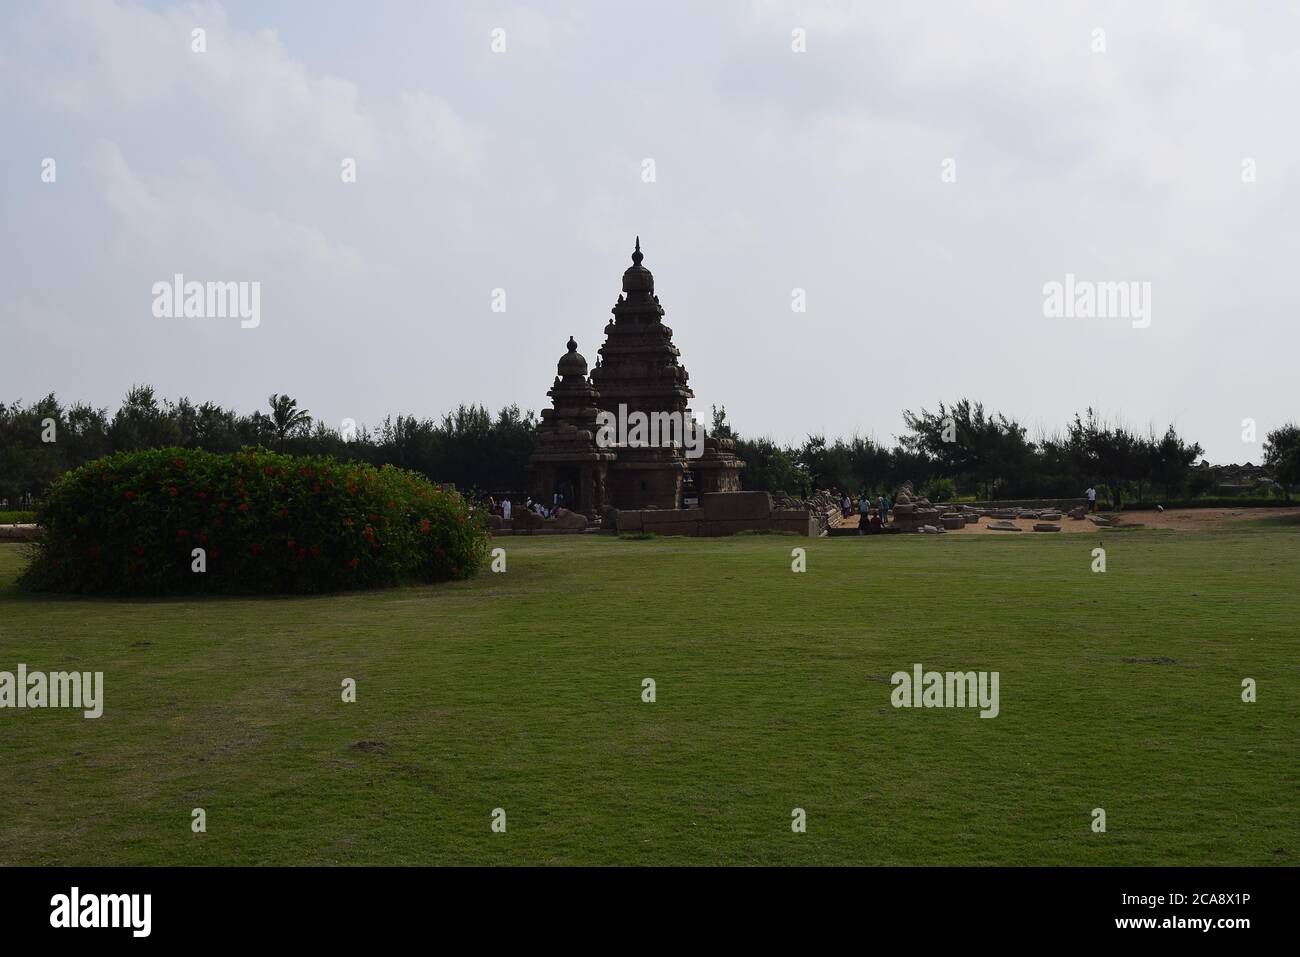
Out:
{"x": 639, "y": 369}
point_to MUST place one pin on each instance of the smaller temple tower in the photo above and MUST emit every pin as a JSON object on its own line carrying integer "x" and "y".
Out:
{"x": 567, "y": 460}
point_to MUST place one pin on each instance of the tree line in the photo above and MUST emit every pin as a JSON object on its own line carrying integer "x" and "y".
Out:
{"x": 469, "y": 448}
{"x": 957, "y": 450}
{"x": 966, "y": 450}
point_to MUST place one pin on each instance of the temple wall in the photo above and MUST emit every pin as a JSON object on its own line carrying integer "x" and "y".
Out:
{"x": 720, "y": 514}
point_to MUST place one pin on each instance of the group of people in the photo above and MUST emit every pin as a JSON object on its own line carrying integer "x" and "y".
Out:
{"x": 866, "y": 519}
{"x": 506, "y": 509}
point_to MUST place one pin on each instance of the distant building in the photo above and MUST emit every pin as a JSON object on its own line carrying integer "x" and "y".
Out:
{"x": 638, "y": 371}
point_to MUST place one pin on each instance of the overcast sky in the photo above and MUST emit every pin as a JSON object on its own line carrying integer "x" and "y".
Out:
{"x": 774, "y": 170}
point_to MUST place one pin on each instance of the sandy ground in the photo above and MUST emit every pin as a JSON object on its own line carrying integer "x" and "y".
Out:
{"x": 1180, "y": 519}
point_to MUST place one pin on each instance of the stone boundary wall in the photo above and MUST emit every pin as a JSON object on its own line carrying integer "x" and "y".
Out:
{"x": 720, "y": 514}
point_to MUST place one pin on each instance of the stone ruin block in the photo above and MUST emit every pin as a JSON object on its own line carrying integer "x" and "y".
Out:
{"x": 652, "y": 518}
{"x": 797, "y": 520}
{"x": 719, "y": 529}
{"x": 569, "y": 521}
{"x": 733, "y": 506}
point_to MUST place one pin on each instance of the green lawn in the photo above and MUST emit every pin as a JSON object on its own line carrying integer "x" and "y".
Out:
{"x": 523, "y": 691}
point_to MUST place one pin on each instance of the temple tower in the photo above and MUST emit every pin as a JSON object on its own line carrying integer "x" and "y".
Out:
{"x": 639, "y": 369}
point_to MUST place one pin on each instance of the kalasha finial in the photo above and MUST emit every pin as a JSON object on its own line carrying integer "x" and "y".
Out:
{"x": 636, "y": 254}
{"x": 573, "y": 346}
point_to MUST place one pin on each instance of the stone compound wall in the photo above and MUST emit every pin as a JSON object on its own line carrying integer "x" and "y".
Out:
{"x": 719, "y": 514}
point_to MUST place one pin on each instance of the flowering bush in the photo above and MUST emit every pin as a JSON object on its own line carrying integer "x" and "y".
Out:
{"x": 265, "y": 522}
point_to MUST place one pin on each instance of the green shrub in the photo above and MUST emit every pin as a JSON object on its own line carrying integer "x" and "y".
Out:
{"x": 268, "y": 522}
{"x": 940, "y": 490}
{"x": 17, "y": 518}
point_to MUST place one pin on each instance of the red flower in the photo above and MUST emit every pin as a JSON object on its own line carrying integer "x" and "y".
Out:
{"x": 130, "y": 495}
{"x": 243, "y": 506}
{"x": 269, "y": 470}
{"x": 302, "y": 553}
{"x": 315, "y": 552}
{"x": 203, "y": 496}
{"x": 179, "y": 463}
{"x": 424, "y": 526}
{"x": 172, "y": 491}
{"x": 255, "y": 547}
{"x": 354, "y": 562}
{"x": 182, "y": 533}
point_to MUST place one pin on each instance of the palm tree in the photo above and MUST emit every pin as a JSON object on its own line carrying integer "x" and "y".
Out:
{"x": 286, "y": 417}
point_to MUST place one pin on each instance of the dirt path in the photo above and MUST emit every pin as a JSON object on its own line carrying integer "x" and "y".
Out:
{"x": 1179, "y": 519}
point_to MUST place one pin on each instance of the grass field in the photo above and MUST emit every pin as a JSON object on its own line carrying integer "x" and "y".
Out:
{"x": 523, "y": 691}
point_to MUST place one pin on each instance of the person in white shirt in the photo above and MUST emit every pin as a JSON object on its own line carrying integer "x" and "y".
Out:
{"x": 1092, "y": 498}
{"x": 505, "y": 509}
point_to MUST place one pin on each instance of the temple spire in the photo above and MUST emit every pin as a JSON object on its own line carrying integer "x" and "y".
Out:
{"x": 636, "y": 253}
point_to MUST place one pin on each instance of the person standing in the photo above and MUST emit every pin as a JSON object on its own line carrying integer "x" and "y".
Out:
{"x": 864, "y": 511}
{"x": 505, "y": 508}
{"x": 1092, "y": 498}
{"x": 884, "y": 511}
